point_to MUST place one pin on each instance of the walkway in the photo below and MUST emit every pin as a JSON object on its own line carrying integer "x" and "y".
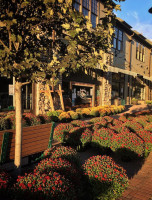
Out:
{"x": 140, "y": 186}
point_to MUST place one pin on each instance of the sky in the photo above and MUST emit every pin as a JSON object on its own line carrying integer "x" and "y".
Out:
{"x": 135, "y": 13}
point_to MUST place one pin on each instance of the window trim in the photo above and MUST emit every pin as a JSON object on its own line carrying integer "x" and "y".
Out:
{"x": 117, "y": 39}
{"x": 140, "y": 52}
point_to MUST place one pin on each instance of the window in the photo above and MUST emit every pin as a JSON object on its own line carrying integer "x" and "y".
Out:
{"x": 94, "y": 13}
{"x": 85, "y": 8}
{"x": 118, "y": 39}
{"x": 77, "y": 5}
{"x": 140, "y": 52}
{"x": 85, "y": 4}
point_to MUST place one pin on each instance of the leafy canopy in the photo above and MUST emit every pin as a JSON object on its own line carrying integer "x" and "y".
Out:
{"x": 39, "y": 38}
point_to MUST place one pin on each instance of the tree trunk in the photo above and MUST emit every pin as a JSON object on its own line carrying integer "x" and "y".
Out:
{"x": 18, "y": 122}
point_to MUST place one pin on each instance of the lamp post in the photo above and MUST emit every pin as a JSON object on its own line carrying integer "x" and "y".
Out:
{"x": 150, "y": 10}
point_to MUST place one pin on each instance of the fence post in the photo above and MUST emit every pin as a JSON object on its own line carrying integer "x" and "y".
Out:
{"x": 51, "y": 135}
{"x": 4, "y": 147}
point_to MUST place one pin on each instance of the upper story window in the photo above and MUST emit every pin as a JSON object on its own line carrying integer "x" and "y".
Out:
{"x": 85, "y": 8}
{"x": 77, "y": 5}
{"x": 118, "y": 39}
{"x": 140, "y": 52}
{"x": 94, "y": 13}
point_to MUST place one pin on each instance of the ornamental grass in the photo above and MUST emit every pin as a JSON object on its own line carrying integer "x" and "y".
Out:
{"x": 107, "y": 180}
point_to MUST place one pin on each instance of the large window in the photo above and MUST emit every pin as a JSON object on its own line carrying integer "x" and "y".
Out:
{"x": 94, "y": 13}
{"x": 77, "y": 5}
{"x": 118, "y": 39}
{"x": 140, "y": 52}
{"x": 85, "y": 8}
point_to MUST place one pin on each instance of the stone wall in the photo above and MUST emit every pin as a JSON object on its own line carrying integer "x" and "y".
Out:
{"x": 106, "y": 88}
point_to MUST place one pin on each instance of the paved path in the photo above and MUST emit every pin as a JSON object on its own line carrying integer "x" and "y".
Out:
{"x": 140, "y": 186}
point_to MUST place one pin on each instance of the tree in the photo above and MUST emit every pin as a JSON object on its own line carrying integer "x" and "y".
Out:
{"x": 41, "y": 38}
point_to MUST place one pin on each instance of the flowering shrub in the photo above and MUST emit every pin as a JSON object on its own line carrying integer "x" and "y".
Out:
{"x": 141, "y": 120}
{"x": 4, "y": 180}
{"x": 102, "y": 137}
{"x": 107, "y": 180}
{"x": 67, "y": 153}
{"x": 146, "y": 136}
{"x": 61, "y": 166}
{"x": 86, "y": 137}
{"x": 73, "y": 136}
{"x": 123, "y": 118}
{"x": 44, "y": 119}
{"x": 74, "y": 115}
{"x": 31, "y": 119}
{"x": 117, "y": 122}
{"x": 95, "y": 120}
{"x": 100, "y": 124}
{"x": 118, "y": 128}
{"x": 54, "y": 115}
{"x": 61, "y": 131}
{"x": 148, "y": 127}
{"x": 108, "y": 119}
{"x": 44, "y": 186}
{"x": 102, "y": 112}
{"x": 85, "y": 112}
{"x": 64, "y": 117}
{"x": 133, "y": 126}
{"x": 127, "y": 145}
{"x": 94, "y": 112}
{"x": 80, "y": 123}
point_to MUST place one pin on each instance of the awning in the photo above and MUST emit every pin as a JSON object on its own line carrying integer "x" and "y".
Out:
{"x": 117, "y": 70}
{"x": 134, "y": 74}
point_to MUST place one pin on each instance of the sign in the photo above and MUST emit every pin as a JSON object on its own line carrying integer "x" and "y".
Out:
{"x": 83, "y": 93}
{"x": 11, "y": 89}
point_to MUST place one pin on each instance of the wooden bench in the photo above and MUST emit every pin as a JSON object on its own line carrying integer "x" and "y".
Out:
{"x": 35, "y": 139}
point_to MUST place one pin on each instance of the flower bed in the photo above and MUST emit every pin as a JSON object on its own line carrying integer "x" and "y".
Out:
{"x": 107, "y": 180}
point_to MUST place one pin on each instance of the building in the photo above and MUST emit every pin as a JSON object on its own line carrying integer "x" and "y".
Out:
{"x": 129, "y": 72}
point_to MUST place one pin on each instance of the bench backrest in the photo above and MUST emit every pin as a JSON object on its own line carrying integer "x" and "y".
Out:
{"x": 35, "y": 139}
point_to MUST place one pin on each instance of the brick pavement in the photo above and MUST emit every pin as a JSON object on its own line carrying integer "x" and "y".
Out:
{"x": 140, "y": 186}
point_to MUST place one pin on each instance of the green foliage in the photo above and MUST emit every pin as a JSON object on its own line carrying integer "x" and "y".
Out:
{"x": 53, "y": 115}
{"x": 107, "y": 180}
{"x": 28, "y": 50}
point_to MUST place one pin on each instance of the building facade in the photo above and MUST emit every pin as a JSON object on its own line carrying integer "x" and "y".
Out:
{"x": 128, "y": 75}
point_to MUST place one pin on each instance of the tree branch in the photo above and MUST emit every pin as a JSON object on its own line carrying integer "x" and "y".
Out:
{"x": 4, "y": 44}
{"x": 25, "y": 83}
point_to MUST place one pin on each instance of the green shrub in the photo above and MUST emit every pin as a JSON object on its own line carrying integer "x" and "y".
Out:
{"x": 107, "y": 180}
